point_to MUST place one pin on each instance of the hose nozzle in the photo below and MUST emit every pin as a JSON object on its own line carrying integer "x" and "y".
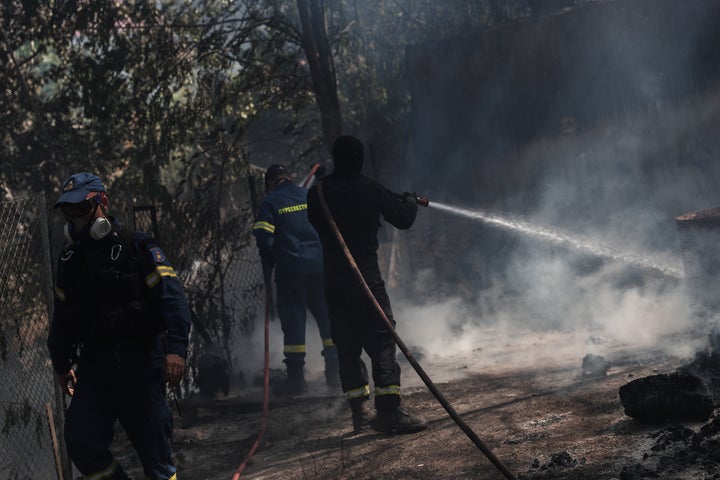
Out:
{"x": 420, "y": 200}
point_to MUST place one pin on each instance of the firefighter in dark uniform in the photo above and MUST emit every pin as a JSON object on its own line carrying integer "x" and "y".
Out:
{"x": 119, "y": 332}
{"x": 287, "y": 242}
{"x": 356, "y": 203}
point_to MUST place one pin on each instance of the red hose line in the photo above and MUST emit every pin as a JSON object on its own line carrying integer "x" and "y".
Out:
{"x": 266, "y": 380}
{"x": 267, "y": 273}
{"x": 310, "y": 175}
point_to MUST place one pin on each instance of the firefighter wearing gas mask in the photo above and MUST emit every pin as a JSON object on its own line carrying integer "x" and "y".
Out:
{"x": 288, "y": 243}
{"x": 119, "y": 332}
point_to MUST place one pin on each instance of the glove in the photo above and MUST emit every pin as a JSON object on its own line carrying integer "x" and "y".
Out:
{"x": 410, "y": 197}
{"x": 67, "y": 381}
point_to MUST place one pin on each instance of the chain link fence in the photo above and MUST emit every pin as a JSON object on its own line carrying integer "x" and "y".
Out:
{"x": 27, "y": 396}
{"x": 229, "y": 287}
{"x": 223, "y": 281}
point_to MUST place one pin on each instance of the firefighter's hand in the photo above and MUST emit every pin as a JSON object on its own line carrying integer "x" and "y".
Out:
{"x": 67, "y": 381}
{"x": 409, "y": 197}
{"x": 174, "y": 368}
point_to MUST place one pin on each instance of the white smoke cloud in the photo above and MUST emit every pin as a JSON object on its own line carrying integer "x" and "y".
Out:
{"x": 616, "y": 188}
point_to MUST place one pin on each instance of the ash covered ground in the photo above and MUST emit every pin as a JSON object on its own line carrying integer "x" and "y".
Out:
{"x": 532, "y": 400}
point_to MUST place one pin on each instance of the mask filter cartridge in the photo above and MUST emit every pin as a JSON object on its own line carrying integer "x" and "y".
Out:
{"x": 100, "y": 228}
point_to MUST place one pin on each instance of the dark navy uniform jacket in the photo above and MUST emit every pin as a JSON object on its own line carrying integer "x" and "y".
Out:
{"x": 114, "y": 297}
{"x": 356, "y": 203}
{"x": 284, "y": 236}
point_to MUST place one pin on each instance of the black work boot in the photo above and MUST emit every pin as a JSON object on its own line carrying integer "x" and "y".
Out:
{"x": 116, "y": 472}
{"x": 362, "y": 413}
{"x": 294, "y": 384}
{"x": 119, "y": 474}
{"x": 397, "y": 420}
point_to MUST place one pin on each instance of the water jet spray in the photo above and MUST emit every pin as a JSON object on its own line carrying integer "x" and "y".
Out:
{"x": 559, "y": 238}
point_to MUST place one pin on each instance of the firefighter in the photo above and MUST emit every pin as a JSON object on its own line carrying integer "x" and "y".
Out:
{"x": 119, "y": 332}
{"x": 288, "y": 243}
{"x": 356, "y": 203}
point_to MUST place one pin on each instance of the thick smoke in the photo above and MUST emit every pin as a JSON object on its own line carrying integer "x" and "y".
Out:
{"x": 618, "y": 185}
{"x": 619, "y": 190}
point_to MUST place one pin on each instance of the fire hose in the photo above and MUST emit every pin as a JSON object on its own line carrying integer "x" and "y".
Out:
{"x": 403, "y": 348}
{"x": 267, "y": 274}
{"x": 311, "y": 176}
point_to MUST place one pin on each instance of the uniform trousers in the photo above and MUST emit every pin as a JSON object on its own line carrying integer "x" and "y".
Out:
{"x": 296, "y": 295}
{"x": 357, "y": 326}
{"x": 125, "y": 385}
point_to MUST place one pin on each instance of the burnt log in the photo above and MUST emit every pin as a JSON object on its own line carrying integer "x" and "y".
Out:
{"x": 666, "y": 397}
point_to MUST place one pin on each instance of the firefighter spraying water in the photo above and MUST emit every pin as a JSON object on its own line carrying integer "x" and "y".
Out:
{"x": 345, "y": 209}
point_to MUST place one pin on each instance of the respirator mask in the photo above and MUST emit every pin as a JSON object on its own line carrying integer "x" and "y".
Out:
{"x": 97, "y": 229}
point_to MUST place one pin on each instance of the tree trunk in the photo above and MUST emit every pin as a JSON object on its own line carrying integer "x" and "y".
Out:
{"x": 322, "y": 70}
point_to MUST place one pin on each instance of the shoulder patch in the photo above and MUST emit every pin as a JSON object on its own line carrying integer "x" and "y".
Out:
{"x": 158, "y": 255}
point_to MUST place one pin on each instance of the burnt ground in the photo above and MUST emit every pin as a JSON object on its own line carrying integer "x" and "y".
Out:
{"x": 540, "y": 414}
